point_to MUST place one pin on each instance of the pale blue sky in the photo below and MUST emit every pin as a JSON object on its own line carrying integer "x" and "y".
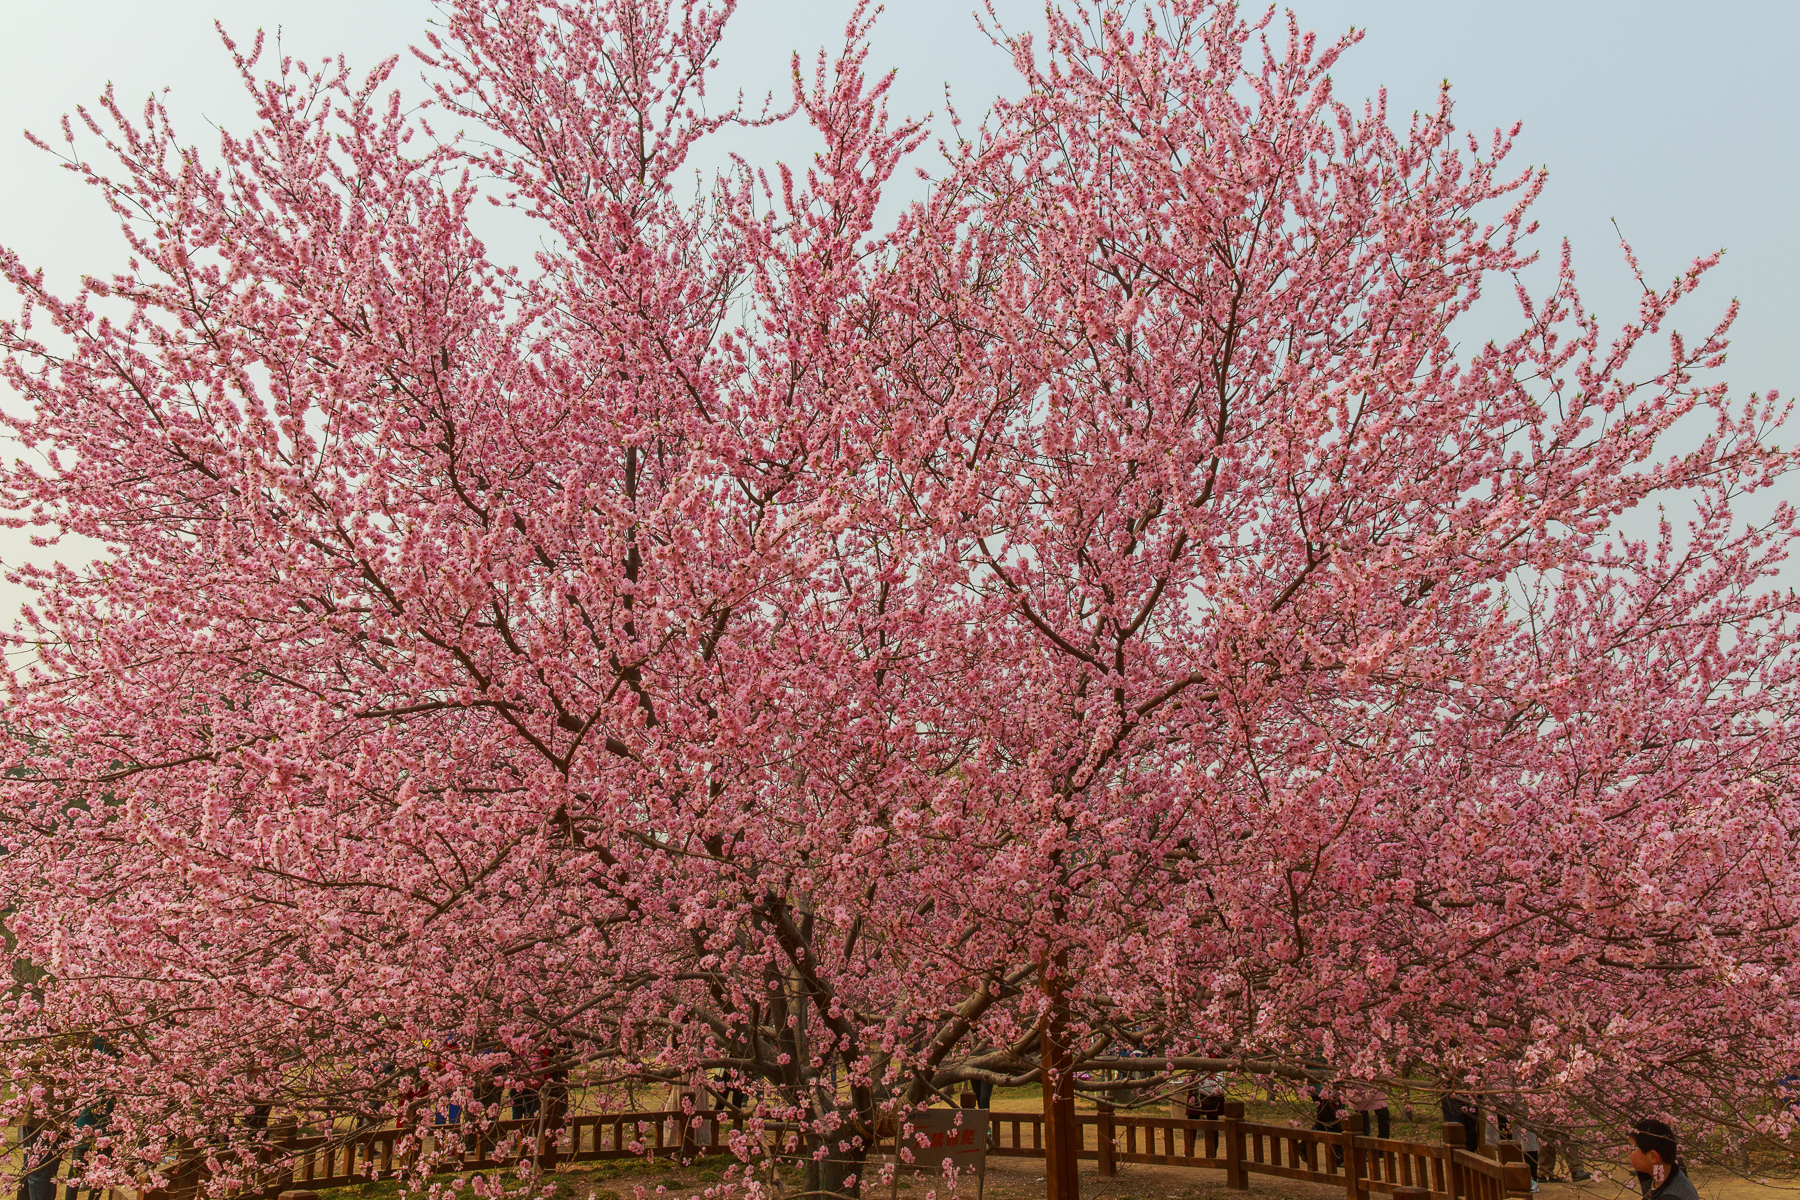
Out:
{"x": 1680, "y": 121}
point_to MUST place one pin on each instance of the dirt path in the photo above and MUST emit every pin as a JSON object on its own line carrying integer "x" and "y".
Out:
{"x": 1023, "y": 1179}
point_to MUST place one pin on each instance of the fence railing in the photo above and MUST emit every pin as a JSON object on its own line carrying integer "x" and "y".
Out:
{"x": 314, "y": 1163}
{"x": 1361, "y": 1166}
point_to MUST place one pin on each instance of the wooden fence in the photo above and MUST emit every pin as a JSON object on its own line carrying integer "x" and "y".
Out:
{"x": 1361, "y": 1166}
{"x": 314, "y": 1163}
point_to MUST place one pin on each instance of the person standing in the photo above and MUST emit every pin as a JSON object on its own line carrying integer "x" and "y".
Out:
{"x": 1208, "y": 1097}
{"x": 725, "y": 1088}
{"x": 1460, "y": 1109}
{"x": 40, "y": 1149}
{"x": 39, "y": 1182}
{"x": 1328, "y": 1113}
{"x": 1547, "y": 1156}
{"x": 1655, "y": 1159}
{"x": 1206, "y": 1102}
{"x": 1372, "y": 1103}
{"x": 1528, "y": 1145}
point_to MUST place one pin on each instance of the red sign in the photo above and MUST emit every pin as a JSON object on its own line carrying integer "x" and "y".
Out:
{"x": 945, "y": 1137}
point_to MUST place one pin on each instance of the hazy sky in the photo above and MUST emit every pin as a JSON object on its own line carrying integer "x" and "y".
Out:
{"x": 1680, "y": 121}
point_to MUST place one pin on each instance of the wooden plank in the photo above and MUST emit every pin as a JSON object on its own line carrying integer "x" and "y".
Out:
{"x": 1172, "y": 1160}
{"x": 1385, "y": 1188}
{"x": 1294, "y": 1173}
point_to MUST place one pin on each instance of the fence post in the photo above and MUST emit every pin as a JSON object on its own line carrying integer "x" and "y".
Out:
{"x": 1454, "y": 1135}
{"x": 1236, "y": 1177}
{"x": 1518, "y": 1175}
{"x": 550, "y": 1122}
{"x": 1103, "y": 1113}
{"x": 285, "y": 1132}
{"x": 1353, "y": 1189}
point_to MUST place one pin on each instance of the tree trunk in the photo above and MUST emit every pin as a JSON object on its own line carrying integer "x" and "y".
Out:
{"x": 833, "y": 1176}
{"x": 1062, "y": 1137}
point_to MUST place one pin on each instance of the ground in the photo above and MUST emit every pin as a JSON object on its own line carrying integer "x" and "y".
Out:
{"x": 1023, "y": 1179}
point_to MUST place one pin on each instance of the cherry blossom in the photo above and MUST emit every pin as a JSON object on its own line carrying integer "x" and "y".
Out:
{"x": 833, "y": 662}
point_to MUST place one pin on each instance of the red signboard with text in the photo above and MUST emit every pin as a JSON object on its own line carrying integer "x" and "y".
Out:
{"x": 946, "y": 1137}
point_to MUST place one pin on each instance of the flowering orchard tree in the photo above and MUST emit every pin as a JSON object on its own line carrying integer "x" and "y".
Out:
{"x": 748, "y": 646}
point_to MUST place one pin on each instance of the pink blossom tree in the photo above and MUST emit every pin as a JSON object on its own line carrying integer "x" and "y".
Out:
{"x": 1340, "y": 707}
{"x": 838, "y": 663}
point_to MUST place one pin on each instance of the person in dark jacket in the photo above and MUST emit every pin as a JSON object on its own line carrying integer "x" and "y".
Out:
{"x": 1461, "y": 1110}
{"x": 1328, "y": 1112}
{"x": 1655, "y": 1159}
{"x": 1206, "y": 1099}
